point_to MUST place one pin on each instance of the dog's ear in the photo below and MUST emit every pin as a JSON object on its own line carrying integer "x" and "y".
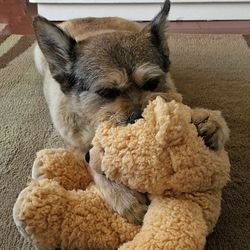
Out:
{"x": 58, "y": 49}
{"x": 157, "y": 29}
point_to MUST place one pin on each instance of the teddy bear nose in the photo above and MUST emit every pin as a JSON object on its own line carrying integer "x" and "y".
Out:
{"x": 135, "y": 116}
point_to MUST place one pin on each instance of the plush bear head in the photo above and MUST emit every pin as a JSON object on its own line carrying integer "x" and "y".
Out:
{"x": 161, "y": 153}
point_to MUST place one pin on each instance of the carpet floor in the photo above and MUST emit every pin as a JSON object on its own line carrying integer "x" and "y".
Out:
{"x": 211, "y": 71}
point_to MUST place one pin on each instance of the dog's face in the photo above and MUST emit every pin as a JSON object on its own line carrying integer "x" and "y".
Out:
{"x": 110, "y": 75}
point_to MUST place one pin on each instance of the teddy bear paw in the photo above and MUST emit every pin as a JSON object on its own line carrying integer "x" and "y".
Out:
{"x": 36, "y": 173}
{"x": 16, "y": 214}
{"x": 46, "y": 159}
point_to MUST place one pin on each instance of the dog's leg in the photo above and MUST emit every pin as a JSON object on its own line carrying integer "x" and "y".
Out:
{"x": 130, "y": 204}
{"x": 212, "y": 127}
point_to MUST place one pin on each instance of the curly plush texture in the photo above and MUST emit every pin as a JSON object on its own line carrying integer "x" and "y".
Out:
{"x": 161, "y": 155}
{"x": 54, "y": 211}
{"x": 165, "y": 146}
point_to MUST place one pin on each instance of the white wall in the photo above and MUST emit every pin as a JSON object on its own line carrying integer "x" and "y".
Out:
{"x": 144, "y": 10}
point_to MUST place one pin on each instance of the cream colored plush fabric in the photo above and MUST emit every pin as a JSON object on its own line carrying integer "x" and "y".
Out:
{"x": 161, "y": 155}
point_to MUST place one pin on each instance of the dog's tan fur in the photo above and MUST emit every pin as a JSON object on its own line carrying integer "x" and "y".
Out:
{"x": 81, "y": 29}
{"x": 76, "y": 115}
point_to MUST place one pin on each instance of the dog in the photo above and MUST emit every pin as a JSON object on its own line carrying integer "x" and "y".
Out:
{"x": 98, "y": 69}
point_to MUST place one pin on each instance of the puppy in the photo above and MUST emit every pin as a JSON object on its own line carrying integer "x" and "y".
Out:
{"x": 98, "y": 69}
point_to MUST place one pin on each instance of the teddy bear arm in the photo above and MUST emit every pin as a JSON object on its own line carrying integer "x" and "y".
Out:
{"x": 52, "y": 217}
{"x": 172, "y": 224}
{"x": 64, "y": 166}
{"x": 38, "y": 213}
{"x": 210, "y": 203}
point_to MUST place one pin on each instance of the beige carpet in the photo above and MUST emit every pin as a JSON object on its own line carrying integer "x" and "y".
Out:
{"x": 25, "y": 128}
{"x": 211, "y": 71}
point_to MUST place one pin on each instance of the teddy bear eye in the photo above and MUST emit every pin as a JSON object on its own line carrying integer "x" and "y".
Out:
{"x": 151, "y": 84}
{"x": 109, "y": 93}
{"x": 87, "y": 157}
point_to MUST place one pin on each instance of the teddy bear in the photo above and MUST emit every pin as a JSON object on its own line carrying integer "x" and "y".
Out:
{"x": 160, "y": 155}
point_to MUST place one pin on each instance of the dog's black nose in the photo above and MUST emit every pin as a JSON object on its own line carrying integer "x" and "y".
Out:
{"x": 134, "y": 116}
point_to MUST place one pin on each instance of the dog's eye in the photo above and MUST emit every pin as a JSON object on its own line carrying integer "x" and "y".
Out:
{"x": 109, "y": 93}
{"x": 151, "y": 84}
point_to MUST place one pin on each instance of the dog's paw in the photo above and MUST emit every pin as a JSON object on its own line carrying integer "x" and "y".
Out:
{"x": 212, "y": 127}
{"x": 131, "y": 205}
{"x": 128, "y": 203}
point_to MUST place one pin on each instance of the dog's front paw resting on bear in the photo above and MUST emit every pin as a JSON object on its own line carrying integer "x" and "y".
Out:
{"x": 212, "y": 127}
{"x": 130, "y": 204}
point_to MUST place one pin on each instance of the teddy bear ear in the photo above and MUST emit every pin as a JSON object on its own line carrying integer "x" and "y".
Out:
{"x": 171, "y": 121}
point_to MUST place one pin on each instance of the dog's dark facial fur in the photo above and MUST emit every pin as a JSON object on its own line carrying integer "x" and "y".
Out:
{"x": 110, "y": 75}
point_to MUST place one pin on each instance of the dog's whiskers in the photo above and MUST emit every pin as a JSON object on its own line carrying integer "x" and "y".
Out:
{"x": 118, "y": 119}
